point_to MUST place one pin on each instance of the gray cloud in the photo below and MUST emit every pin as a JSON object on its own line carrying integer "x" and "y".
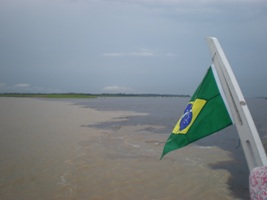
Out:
{"x": 155, "y": 46}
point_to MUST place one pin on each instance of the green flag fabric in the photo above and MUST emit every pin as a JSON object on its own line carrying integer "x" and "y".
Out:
{"x": 205, "y": 114}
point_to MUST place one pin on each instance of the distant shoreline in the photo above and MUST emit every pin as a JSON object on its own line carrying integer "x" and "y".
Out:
{"x": 84, "y": 95}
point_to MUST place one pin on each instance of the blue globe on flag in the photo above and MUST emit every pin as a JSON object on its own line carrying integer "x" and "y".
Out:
{"x": 187, "y": 117}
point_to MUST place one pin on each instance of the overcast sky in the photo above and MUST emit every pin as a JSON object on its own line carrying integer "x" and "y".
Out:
{"x": 130, "y": 46}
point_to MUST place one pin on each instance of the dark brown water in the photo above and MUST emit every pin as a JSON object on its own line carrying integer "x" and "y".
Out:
{"x": 57, "y": 150}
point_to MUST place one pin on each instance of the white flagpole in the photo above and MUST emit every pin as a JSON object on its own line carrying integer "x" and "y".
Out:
{"x": 248, "y": 134}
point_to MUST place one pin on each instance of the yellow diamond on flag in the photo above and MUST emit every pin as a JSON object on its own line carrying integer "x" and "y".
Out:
{"x": 190, "y": 114}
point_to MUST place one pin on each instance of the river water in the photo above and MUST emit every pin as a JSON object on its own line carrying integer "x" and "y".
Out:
{"x": 62, "y": 149}
{"x": 165, "y": 113}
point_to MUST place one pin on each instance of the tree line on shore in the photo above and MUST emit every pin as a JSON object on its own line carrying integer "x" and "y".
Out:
{"x": 85, "y": 95}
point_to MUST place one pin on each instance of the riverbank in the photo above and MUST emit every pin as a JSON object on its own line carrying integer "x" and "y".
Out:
{"x": 83, "y": 95}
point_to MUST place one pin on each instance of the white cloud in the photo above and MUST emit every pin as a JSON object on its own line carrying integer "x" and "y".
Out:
{"x": 117, "y": 89}
{"x": 143, "y": 52}
{"x": 22, "y": 85}
{"x": 25, "y": 87}
{"x": 140, "y": 53}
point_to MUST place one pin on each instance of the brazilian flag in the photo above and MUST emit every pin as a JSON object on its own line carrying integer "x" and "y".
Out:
{"x": 205, "y": 114}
